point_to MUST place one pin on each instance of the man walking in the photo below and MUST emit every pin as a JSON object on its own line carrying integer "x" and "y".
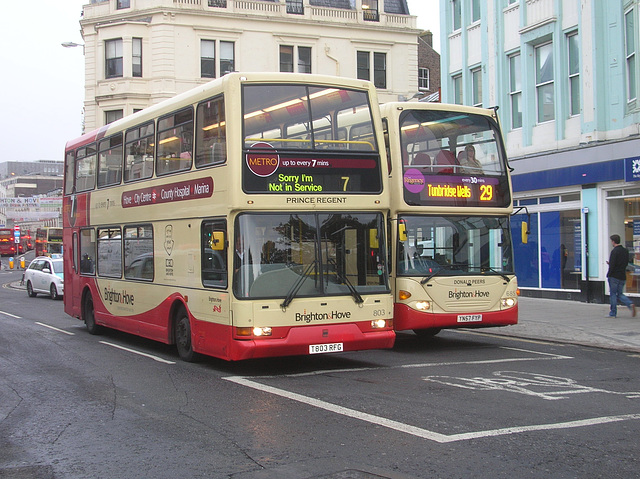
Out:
{"x": 617, "y": 275}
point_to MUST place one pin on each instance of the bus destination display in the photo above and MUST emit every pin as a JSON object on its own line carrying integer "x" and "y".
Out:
{"x": 452, "y": 190}
{"x": 268, "y": 171}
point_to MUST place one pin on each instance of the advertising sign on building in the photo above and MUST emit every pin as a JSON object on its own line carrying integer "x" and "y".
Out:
{"x": 632, "y": 169}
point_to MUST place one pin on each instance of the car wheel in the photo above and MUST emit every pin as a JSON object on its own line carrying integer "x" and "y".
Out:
{"x": 30, "y": 291}
{"x": 182, "y": 335}
{"x": 89, "y": 316}
{"x": 53, "y": 291}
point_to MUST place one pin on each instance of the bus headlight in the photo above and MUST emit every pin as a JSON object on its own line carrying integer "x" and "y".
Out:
{"x": 264, "y": 331}
{"x": 508, "y": 302}
{"x": 379, "y": 323}
{"x": 423, "y": 305}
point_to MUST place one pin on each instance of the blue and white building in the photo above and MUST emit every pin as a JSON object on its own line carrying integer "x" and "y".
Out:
{"x": 565, "y": 75}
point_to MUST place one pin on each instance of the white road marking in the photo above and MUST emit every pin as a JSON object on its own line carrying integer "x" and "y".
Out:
{"x": 140, "y": 353}
{"x": 420, "y": 432}
{"x": 56, "y": 329}
{"x": 9, "y": 314}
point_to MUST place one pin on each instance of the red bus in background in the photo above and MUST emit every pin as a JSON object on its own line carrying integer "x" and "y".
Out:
{"x": 8, "y": 246}
{"x": 28, "y": 240}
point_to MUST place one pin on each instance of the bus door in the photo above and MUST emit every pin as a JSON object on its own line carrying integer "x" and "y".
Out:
{"x": 351, "y": 254}
{"x": 72, "y": 284}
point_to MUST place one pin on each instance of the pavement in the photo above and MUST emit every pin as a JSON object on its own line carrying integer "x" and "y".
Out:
{"x": 560, "y": 321}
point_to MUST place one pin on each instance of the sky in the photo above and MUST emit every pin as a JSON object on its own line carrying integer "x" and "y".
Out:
{"x": 42, "y": 83}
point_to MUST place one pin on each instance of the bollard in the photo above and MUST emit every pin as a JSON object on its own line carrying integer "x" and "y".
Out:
{"x": 11, "y": 263}
{"x": 21, "y": 262}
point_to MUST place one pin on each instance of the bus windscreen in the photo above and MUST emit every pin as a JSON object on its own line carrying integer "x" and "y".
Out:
{"x": 452, "y": 158}
{"x": 308, "y": 139}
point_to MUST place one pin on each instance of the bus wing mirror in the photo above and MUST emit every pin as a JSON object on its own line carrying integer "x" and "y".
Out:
{"x": 217, "y": 241}
{"x": 525, "y": 232}
{"x": 402, "y": 232}
{"x": 373, "y": 239}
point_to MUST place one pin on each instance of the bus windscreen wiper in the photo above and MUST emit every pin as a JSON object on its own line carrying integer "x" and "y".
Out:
{"x": 484, "y": 269}
{"x": 298, "y": 284}
{"x": 356, "y": 296}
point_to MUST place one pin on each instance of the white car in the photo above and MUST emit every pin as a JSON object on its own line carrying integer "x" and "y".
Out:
{"x": 45, "y": 275}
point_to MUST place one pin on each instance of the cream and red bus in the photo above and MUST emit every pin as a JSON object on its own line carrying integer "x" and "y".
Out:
{"x": 48, "y": 241}
{"x": 451, "y": 201}
{"x": 242, "y": 219}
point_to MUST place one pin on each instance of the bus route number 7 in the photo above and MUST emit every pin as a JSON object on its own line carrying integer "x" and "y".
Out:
{"x": 346, "y": 180}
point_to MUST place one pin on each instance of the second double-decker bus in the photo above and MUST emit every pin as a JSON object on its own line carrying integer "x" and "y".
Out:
{"x": 242, "y": 219}
{"x": 48, "y": 241}
{"x": 451, "y": 203}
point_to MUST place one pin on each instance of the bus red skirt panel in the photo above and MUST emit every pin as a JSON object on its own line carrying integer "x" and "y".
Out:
{"x": 405, "y": 318}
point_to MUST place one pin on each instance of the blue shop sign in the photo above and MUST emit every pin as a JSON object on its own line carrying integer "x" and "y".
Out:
{"x": 636, "y": 228}
{"x": 632, "y": 169}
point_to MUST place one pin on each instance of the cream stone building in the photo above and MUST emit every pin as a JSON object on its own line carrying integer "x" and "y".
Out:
{"x": 139, "y": 52}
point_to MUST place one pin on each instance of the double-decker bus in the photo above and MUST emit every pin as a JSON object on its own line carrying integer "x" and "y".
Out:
{"x": 8, "y": 245}
{"x": 48, "y": 241}
{"x": 450, "y": 208}
{"x": 242, "y": 219}
{"x": 29, "y": 244}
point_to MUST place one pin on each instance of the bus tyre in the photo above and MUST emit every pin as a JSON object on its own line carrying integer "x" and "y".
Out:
{"x": 427, "y": 333}
{"x": 53, "y": 291}
{"x": 89, "y": 316}
{"x": 30, "y": 291}
{"x": 182, "y": 335}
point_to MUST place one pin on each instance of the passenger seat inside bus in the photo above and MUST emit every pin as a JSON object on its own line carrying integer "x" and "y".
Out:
{"x": 446, "y": 158}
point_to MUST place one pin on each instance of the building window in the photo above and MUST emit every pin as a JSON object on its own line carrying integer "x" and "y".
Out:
{"x": 515, "y": 91}
{"x": 370, "y": 10}
{"x": 475, "y": 10}
{"x": 457, "y": 14}
{"x": 380, "y": 70}
{"x": 295, "y": 7}
{"x": 544, "y": 82}
{"x": 286, "y": 58}
{"x": 476, "y": 85}
{"x": 574, "y": 74}
{"x": 363, "y": 66}
{"x": 112, "y": 115}
{"x": 207, "y": 58}
{"x": 136, "y": 63}
{"x": 304, "y": 59}
{"x": 630, "y": 50}
{"x": 227, "y": 58}
{"x": 423, "y": 79}
{"x": 218, "y": 3}
{"x": 113, "y": 58}
{"x": 120, "y": 4}
{"x": 457, "y": 89}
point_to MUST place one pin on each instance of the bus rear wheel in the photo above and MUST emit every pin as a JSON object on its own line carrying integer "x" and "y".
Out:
{"x": 182, "y": 335}
{"x": 89, "y": 316}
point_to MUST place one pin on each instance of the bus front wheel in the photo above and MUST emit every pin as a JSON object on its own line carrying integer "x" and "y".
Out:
{"x": 89, "y": 316}
{"x": 182, "y": 335}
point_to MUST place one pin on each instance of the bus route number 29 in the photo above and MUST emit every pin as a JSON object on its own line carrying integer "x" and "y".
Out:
{"x": 486, "y": 192}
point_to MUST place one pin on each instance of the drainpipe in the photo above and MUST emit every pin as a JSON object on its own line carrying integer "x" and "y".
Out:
{"x": 327, "y": 50}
